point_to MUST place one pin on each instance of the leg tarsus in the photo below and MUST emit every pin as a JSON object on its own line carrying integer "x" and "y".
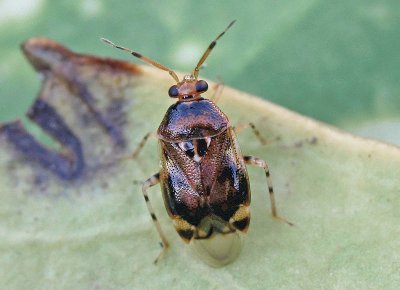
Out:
{"x": 153, "y": 180}
{"x": 164, "y": 248}
{"x": 282, "y": 220}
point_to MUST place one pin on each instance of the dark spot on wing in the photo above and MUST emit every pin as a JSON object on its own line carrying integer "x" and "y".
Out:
{"x": 186, "y": 234}
{"x": 201, "y": 147}
{"x": 242, "y": 224}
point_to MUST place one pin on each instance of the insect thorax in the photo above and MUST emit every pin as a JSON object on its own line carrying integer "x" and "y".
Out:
{"x": 192, "y": 120}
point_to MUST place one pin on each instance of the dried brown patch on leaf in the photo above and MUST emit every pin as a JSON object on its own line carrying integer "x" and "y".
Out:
{"x": 82, "y": 105}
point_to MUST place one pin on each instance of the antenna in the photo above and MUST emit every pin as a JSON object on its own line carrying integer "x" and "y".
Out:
{"x": 143, "y": 58}
{"x": 209, "y": 49}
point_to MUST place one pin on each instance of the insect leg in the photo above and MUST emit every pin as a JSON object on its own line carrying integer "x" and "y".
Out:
{"x": 153, "y": 180}
{"x": 256, "y": 132}
{"x": 251, "y": 160}
{"x": 139, "y": 148}
{"x": 218, "y": 88}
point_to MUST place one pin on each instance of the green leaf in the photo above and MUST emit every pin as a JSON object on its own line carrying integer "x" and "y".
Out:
{"x": 94, "y": 231}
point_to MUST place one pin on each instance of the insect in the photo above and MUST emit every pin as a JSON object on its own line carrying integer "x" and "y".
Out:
{"x": 203, "y": 176}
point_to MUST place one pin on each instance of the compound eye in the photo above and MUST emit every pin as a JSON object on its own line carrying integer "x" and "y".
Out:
{"x": 173, "y": 91}
{"x": 201, "y": 86}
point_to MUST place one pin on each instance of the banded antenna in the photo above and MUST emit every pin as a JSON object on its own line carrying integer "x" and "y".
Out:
{"x": 164, "y": 68}
{"x": 143, "y": 58}
{"x": 209, "y": 49}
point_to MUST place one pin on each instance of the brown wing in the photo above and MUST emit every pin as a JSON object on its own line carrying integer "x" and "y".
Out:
{"x": 225, "y": 176}
{"x": 181, "y": 184}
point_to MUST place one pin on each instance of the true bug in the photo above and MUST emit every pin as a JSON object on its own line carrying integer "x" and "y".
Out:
{"x": 203, "y": 175}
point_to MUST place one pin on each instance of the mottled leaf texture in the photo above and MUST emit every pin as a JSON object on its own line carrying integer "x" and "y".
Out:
{"x": 72, "y": 215}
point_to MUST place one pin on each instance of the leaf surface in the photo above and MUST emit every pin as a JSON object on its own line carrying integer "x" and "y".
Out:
{"x": 91, "y": 229}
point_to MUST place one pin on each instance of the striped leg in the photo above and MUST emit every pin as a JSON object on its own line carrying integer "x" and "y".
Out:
{"x": 261, "y": 163}
{"x": 153, "y": 180}
{"x": 256, "y": 132}
{"x": 135, "y": 153}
